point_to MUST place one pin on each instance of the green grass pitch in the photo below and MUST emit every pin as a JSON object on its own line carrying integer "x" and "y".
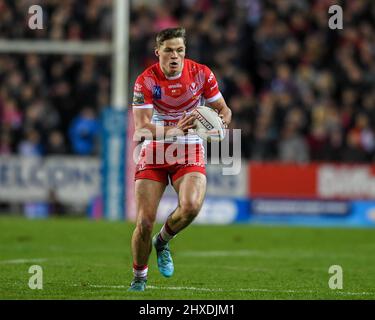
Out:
{"x": 84, "y": 259}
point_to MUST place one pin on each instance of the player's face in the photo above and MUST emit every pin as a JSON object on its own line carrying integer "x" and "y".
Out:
{"x": 171, "y": 56}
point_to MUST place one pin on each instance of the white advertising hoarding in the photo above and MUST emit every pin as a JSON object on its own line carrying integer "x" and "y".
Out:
{"x": 75, "y": 180}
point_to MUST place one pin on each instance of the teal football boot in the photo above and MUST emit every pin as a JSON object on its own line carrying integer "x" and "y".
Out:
{"x": 138, "y": 285}
{"x": 164, "y": 258}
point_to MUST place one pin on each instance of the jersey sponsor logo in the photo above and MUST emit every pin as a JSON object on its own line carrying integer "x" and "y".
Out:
{"x": 211, "y": 77}
{"x": 138, "y": 98}
{"x": 176, "y": 92}
{"x": 175, "y": 86}
{"x": 156, "y": 92}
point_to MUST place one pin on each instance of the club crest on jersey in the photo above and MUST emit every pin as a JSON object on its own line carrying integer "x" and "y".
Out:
{"x": 193, "y": 88}
{"x": 156, "y": 92}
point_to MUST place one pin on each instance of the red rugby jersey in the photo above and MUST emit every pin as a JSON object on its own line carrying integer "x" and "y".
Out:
{"x": 169, "y": 97}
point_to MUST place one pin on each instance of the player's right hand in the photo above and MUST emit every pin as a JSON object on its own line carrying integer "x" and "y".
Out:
{"x": 186, "y": 122}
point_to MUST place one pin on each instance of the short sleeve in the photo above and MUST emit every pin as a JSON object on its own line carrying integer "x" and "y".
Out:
{"x": 142, "y": 96}
{"x": 211, "y": 90}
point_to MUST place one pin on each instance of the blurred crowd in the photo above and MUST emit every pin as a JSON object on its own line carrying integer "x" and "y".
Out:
{"x": 299, "y": 91}
{"x": 50, "y": 104}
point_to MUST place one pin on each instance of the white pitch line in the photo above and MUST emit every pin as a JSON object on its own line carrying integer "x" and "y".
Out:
{"x": 257, "y": 253}
{"x": 234, "y": 253}
{"x": 187, "y": 288}
{"x": 19, "y": 261}
{"x": 355, "y": 293}
{"x": 226, "y": 290}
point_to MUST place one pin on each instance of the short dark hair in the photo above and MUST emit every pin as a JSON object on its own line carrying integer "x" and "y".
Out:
{"x": 170, "y": 33}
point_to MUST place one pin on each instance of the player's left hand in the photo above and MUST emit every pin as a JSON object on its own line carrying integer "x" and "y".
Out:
{"x": 224, "y": 122}
{"x": 224, "y": 119}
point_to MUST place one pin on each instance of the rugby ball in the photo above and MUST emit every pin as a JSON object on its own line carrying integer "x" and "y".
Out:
{"x": 209, "y": 125}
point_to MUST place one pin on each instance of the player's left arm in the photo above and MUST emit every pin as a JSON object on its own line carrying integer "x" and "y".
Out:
{"x": 213, "y": 97}
{"x": 223, "y": 110}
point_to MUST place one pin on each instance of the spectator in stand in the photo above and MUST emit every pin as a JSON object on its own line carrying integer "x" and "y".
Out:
{"x": 31, "y": 146}
{"x": 83, "y": 132}
{"x": 56, "y": 143}
{"x": 364, "y": 134}
{"x": 292, "y": 146}
{"x": 263, "y": 146}
{"x": 11, "y": 116}
{"x": 333, "y": 150}
{"x": 317, "y": 142}
{"x": 353, "y": 153}
{"x": 5, "y": 143}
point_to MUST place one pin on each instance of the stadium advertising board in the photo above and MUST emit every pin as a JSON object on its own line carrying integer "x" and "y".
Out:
{"x": 303, "y": 207}
{"x": 348, "y": 182}
{"x": 313, "y": 212}
{"x": 74, "y": 180}
{"x": 312, "y": 194}
{"x": 311, "y": 181}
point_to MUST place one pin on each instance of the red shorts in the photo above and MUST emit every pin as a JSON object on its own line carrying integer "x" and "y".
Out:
{"x": 158, "y": 161}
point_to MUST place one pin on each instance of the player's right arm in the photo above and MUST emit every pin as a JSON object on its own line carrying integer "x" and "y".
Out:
{"x": 145, "y": 129}
{"x": 142, "y": 113}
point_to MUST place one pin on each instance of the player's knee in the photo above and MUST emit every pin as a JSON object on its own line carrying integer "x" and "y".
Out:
{"x": 190, "y": 208}
{"x": 145, "y": 226}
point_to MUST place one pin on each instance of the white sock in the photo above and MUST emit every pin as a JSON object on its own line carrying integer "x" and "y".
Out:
{"x": 166, "y": 234}
{"x": 140, "y": 271}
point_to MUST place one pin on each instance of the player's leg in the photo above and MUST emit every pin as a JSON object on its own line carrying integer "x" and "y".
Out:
{"x": 189, "y": 182}
{"x": 147, "y": 196}
{"x": 191, "y": 189}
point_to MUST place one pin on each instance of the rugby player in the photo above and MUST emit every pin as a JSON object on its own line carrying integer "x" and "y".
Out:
{"x": 165, "y": 96}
